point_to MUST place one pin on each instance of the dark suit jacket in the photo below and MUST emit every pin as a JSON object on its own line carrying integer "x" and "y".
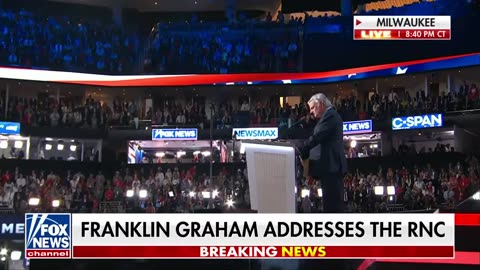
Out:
{"x": 325, "y": 147}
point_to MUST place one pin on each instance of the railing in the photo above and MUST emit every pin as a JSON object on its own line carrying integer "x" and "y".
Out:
{"x": 109, "y": 207}
{"x": 6, "y": 211}
{"x": 395, "y": 208}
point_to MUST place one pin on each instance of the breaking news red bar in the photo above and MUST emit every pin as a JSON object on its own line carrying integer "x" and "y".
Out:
{"x": 467, "y": 219}
{"x": 274, "y": 252}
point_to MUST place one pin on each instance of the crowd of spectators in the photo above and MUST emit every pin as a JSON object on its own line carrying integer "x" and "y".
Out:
{"x": 164, "y": 189}
{"x": 186, "y": 188}
{"x": 33, "y": 39}
{"x": 223, "y": 48}
{"x": 70, "y": 112}
{"x": 415, "y": 188}
{"x": 38, "y": 40}
{"x": 272, "y": 43}
{"x": 394, "y": 103}
{"x": 411, "y": 149}
{"x": 378, "y": 107}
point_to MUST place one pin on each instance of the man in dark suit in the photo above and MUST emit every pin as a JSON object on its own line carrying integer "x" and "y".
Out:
{"x": 325, "y": 151}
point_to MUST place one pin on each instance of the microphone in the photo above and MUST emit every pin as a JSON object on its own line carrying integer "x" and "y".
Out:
{"x": 301, "y": 121}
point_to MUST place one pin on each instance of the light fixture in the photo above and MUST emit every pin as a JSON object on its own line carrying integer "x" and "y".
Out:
{"x": 16, "y": 255}
{"x": 55, "y": 203}
{"x": 196, "y": 152}
{"x": 320, "y": 192}
{"x": 206, "y": 194}
{"x": 390, "y": 190}
{"x": 60, "y": 147}
{"x": 476, "y": 196}
{"x": 206, "y": 153}
{"x": 215, "y": 193}
{"x": 229, "y": 203}
{"x": 3, "y": 258}
{"x": 143, "y": 193}
{"x": 73, "y": 148}
{"x": 48, "y": 139}
{"x": 3, "y": 251}
{"x": 160, "y": 154}
{"x": 180, "y": 154}
{"x": 192, "y": 194}
{"x": 378, "y": 190}
{"x": 34, "y": 201}
{"x": 305, "y": 193}
{"x": 18, "y": 144}
{"x": 353, "y": 144}
{"x": 130, "y": 193}
{"x": 48, "y": 147}
{"x": 3, "y": 144}
{"x": 171, "y": 194}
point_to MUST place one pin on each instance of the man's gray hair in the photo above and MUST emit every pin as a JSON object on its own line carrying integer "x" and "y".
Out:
{"x": 320, "y": 98}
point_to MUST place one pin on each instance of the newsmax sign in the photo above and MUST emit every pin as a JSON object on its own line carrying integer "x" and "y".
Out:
{"x": 417, "y": 122}
{"x": 12, "y": 227}
{"x": 357, "y": 127}
{"x": 255, "y": 133}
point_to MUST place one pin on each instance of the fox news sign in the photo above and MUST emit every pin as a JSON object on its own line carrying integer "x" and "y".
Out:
{"x": 48, "y": 236}
{"x": 357, "y": 127}
{"x": 417, "y": 122}
{"x": 176, "y": 134}
{"x": 255, "y": 133}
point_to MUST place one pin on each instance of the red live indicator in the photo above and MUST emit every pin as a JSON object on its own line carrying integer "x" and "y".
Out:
{"x": 402, "y": 34}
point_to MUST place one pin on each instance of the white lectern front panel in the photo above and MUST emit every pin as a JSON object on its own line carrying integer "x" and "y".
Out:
{"x": 271, "y": 177}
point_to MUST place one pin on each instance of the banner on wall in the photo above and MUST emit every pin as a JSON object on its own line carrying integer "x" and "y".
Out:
{"x": 12, "y": 227}
{"x": 175, "y": 134}
{"x": 357, "y": 127}
{"x": 417, "y": 122}
{"x": 9, "y": 128}
{"x": 255, "y": 133}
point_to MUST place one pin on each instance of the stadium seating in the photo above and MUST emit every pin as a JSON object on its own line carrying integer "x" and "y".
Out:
{"x": 444, "y": 181}
{"x": 122, "y": 112}
{"x": 43, "y": 40}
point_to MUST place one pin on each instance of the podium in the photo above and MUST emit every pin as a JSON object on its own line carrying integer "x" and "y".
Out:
{"x": 271, "y": 176}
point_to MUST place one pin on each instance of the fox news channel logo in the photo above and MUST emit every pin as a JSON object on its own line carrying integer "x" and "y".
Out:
{"x": 179, "y": 134}
{"x": 255, "y": 133}
{"x": 417, "y": 122}
{"x": 356, "y": 127}
{"x": 47, "y": 236}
